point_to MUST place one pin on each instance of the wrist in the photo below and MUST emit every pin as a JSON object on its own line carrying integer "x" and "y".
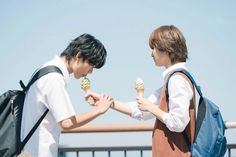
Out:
{"x": 98, "y": 111}
{"x": 151, "y": 107}
{"x": 112, "y": 105}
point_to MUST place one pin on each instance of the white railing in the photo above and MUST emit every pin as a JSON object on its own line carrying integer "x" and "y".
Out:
{"x": 230, "y": 125}
{"x": 139, "y": 127}
{"x": 126, "y": 127}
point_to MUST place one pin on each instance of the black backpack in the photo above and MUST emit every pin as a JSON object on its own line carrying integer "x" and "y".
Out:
{"x": 11, "y": 108}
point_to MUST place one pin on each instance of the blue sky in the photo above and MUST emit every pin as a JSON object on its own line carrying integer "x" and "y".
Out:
{"x": 33, "y": 32}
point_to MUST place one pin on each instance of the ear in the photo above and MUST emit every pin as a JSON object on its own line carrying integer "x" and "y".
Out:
{"x": 77, "y": 55}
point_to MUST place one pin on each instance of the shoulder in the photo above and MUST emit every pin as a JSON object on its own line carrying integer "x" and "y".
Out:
{"x": 179, "y": 82}
{"x": 55, "y": 77}
{"x": 177, "y": 77}
{"x": 51, "y": 80}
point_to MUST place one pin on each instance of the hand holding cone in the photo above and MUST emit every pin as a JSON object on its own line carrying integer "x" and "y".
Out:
{"x": 139, "y": 87}
{"x": 85, "y": 84}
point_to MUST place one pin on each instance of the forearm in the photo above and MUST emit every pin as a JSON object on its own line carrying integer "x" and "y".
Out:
{"x": 84, "y": 118}
{"x": 156, "y": 111}
{"x": 79, "y": 119}
{"x": 122, "y": 107}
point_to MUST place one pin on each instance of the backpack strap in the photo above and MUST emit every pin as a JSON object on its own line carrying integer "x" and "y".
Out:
{"x": 39, "y": 74}
{"x": 201, "y": 110}
{"x": 186, "y": 73}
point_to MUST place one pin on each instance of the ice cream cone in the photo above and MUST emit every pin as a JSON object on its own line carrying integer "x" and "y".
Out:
{"x": 139, "y": 87}
{"x": 85, "y": 84}
{"x": 140, "y": 92}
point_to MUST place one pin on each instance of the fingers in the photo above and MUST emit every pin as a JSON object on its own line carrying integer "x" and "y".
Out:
{"x": 91, "y": 101}
{"x": 109, "y": 99}
{"x": 140, "y": 105}
{"x": 105, "y": 100}
{"x": 106, "y": 97}
{"x": 104, "y": 103}
{"x": 139, "y": 100}
{"x": 96, "y": 96}
{"x": 92, "y": 97}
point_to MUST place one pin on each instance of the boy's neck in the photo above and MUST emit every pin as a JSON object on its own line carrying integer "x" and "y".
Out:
{"x": 67, "y": 63}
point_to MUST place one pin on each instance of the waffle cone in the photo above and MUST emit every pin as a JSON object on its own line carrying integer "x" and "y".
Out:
{"x": 140, "y": 91}
{"x": 86, "y": 89}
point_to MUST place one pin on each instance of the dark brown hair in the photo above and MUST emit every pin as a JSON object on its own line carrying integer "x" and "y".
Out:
{"x": 170, "y": 40}
{"x": 89, "y": 48}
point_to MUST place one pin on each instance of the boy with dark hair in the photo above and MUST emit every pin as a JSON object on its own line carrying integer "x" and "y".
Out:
{"x": 49, "y": 92}
{"x": 174, "y": 113}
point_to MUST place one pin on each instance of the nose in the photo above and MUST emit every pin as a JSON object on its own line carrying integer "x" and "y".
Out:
{"x": 152, "y": 54}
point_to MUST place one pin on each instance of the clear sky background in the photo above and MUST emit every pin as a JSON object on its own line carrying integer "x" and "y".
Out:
{"x": 33, "y": 32}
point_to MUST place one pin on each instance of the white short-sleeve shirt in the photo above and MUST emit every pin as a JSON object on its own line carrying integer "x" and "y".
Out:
{"x": 47, "y": 92}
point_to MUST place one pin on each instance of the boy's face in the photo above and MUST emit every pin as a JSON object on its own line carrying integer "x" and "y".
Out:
{"x": 81, "y": 68}
{"x": 160, "y": 58}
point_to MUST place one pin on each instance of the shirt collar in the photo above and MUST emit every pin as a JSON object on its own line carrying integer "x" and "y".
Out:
{"x": 175, "y": 67}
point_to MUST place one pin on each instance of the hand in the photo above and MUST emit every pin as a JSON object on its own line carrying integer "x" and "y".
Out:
{"x": 143, "y": 104}
{"x": 92, "y": 97}
{"x": 104, "y": 103}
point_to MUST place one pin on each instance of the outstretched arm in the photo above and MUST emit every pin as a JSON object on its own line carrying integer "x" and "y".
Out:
{"x": 131, "y": 109}
{"x": 78, "y": 120}
{"x": 122, "y": 107}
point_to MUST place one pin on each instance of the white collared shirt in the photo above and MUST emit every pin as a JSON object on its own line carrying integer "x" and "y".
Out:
{"x": 47, "y": 92}
{"x": 180, "y": 94}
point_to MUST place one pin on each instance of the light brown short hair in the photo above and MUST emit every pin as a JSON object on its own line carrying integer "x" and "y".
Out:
{"x": 170, "y": 40}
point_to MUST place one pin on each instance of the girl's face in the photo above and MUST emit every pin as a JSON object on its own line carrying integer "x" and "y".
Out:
{"x": 160, "y": 58}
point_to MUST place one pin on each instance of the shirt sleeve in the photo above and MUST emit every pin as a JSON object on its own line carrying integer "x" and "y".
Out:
{"x": 58, "y": 100}
{"x": 140, "y": 115}
{"x": 180, "y": 94}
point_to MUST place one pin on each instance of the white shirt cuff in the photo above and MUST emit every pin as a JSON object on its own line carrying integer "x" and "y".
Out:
{"x": 136, "y": 113}
{"x": 165, "y": 117}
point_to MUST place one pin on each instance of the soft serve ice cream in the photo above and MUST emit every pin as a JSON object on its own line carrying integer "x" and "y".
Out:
{"x": 139, "y": 87}
{"x": 85, "y": 84}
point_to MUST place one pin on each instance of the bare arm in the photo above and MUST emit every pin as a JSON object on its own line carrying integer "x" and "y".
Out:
{"x": 122, "y": 107}
{"x": 78, "y": 120}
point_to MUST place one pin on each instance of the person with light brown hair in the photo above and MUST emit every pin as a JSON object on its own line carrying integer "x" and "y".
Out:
{"x": 174, "y": 111}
